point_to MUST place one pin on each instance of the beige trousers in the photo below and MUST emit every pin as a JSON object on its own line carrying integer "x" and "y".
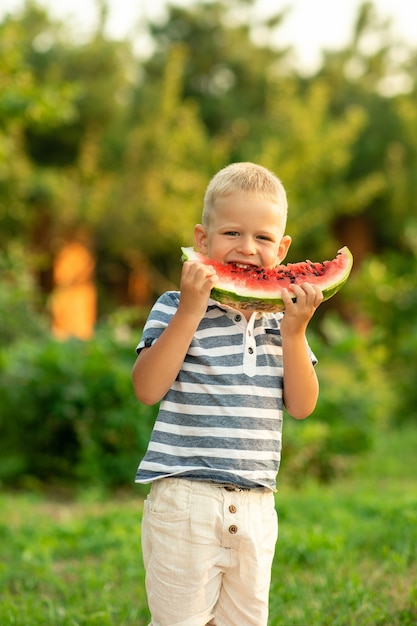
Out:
{"x": 208, "y": 553}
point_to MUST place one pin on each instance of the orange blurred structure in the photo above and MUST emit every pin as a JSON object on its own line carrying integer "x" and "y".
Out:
{"x": 74, "y": 298}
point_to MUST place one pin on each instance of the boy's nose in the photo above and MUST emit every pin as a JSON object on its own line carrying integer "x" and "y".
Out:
{"x": 247, "y": 246}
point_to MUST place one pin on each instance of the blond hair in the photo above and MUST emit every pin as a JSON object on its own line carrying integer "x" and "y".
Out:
{"x": 244, "y": 176}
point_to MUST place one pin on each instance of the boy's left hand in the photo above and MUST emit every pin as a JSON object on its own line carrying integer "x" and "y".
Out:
{"x": 298, "y": 314}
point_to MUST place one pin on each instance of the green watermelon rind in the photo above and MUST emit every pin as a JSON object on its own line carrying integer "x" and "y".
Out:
{"x": 270, "y": 305}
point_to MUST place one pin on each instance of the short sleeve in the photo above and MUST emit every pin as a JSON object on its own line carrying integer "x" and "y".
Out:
{"x": 159, "y": 317}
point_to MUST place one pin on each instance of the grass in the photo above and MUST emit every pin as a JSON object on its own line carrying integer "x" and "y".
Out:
{"x": 346, "y": 554}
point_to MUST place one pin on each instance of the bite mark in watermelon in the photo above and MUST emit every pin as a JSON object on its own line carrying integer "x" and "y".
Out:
{"x": 259, "y": 289}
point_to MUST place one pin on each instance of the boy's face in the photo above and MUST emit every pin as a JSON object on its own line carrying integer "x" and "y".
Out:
{"x": 244, "y": 228}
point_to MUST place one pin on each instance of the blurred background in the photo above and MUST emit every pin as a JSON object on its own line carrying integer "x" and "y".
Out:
{"x": 110, "y": 130}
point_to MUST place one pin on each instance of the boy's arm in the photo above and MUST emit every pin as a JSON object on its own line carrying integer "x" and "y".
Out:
{"x": 301, "y": 387}
{"x": 157, "y": 367}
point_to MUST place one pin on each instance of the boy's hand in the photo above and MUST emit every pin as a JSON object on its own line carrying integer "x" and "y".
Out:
{"x": 298, "y": 314}
{"x": 197, "y": 280}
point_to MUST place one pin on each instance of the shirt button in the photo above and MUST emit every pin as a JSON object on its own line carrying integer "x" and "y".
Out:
{"x": 250, "y": 350}
{"x": 238, "y": 318}
{"x": 232, "y": 508}
{"x": 233, "y": 529}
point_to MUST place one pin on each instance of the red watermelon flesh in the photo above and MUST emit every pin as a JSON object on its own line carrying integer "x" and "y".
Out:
{"x": 259, "y": 289}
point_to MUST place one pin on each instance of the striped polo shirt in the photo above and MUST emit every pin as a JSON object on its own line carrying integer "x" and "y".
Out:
{"x": 221, "y": 420}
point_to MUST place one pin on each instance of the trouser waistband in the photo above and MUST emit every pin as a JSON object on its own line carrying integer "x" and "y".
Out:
{"x": 232, "y": 487}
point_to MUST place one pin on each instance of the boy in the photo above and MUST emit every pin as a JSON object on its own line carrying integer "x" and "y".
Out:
{"x": 222, "y": 375}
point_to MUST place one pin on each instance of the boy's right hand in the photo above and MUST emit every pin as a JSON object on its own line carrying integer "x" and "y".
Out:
{"x": 197, "y": 280}
{"x": 154, "y": 373}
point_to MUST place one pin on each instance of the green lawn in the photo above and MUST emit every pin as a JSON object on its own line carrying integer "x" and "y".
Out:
{"x": 346, "y": 554}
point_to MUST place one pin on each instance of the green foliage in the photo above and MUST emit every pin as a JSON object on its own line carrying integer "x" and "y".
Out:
{"x": 24, "y": 97}
{"x": 221, "y": 64}
{"x": 26, "y": 101}
{"x": 68, "y": 413}
{"x": 356, "y": 400}
{"x": 20, "y": 301}
{"x": 94, "y": 128}
{"x": 386, "y": 298}
{"x": 312, "y": 151}
{"x": 97, "y": 140}
{"x": 74, "y": 402}
{"x": 164, "y": 168}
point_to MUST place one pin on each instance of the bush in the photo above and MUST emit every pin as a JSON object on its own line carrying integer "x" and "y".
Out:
{"x": 68, "y": 412}
{"x": 386, "y": 289}
{"x": 355, "y": 399}
{"x": 19, "y": 298}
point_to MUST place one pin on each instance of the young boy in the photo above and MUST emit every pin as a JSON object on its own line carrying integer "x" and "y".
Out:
{"x": 222, "y": 375}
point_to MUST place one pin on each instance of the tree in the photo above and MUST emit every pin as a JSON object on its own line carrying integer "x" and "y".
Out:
{"x": 25, "y": 102}
{"x": 225, "y": 72}
{"x": 165, "y": 164}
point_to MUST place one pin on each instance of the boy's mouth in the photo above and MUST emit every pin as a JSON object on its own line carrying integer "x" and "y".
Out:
{"x": 244, "y": 266}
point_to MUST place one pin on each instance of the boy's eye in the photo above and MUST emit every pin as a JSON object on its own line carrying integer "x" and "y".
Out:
{"x": 232, "y": 233}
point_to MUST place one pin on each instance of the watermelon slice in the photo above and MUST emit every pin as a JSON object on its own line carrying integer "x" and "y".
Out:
{"x": 259, "y": 289}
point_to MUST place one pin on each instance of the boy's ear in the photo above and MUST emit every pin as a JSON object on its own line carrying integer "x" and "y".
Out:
{"x": 200, "y": 239}
{"x": 283, "y": 248}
